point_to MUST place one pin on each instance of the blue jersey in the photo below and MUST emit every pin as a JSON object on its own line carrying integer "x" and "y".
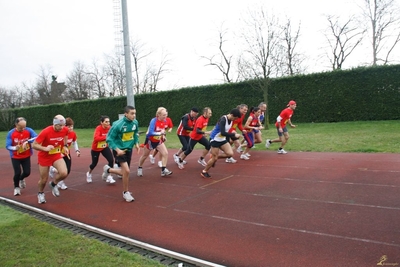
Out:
{"x": 221, "y": 130}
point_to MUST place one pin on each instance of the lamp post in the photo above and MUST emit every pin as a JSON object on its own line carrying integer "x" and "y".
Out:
{"x": 128, "y": 67}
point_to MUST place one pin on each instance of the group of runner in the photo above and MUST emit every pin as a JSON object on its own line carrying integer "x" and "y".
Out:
{"x": 116, "y": 143}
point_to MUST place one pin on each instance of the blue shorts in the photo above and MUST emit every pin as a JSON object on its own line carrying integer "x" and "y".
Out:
{"x": 249, "y": 137}
{"x": 284, "y": 131}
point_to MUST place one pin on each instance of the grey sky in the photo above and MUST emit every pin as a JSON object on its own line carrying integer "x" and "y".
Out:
{"x": 57, "y": 33}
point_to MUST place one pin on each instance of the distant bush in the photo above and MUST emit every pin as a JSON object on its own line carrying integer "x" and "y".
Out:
{"x": 367, "y": 93}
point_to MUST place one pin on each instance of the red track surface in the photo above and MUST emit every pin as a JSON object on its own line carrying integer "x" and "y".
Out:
{"x": 299, "y": 209}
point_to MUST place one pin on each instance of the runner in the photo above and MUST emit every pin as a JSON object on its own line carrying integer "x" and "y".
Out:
{"x": 218, "y": 140}
{"x": 51, "y": 144}
{"x": 72, "y": 141}
{"x": 100, "y": 146}
{"x": 198, "y": 135}
{"x": 281, "y": 121}
{"x": 18, "y": 143}
{"x": 122, "y": 137}
{"x": 155, "y": 139}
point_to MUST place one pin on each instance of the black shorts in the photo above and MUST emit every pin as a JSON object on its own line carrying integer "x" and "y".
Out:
{"x": 123, "y": 158}
{"x": 218, "y": 144}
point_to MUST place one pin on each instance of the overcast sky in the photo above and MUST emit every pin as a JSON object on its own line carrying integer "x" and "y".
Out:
{"x": 58, "y": 33}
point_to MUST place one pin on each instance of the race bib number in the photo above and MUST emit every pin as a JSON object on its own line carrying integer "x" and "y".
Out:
{"x": 102, "y": 144}
{"x": 55, "y": 150}
{"x": 127, "y": 136}
{"x": 22, "y": 150}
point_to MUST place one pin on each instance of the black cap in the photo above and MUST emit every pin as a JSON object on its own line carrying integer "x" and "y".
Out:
{"x": 236, "y": 113}
{"x": 194, "y": 109}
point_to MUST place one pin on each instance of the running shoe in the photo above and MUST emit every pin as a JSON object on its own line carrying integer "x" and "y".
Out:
{"x": 202, "y": 162}
{"x": 41, "y": 198}
{"x": 166, "y": 172}
{"x": 268, "y": 143}
{"x": 52, "y": 171}
{"x": 139, "y": 172}
{"x": 62, "y": 185}
{"x": 128, "y": 196}
{"x": 110, "y": 179}
{"x": 152, "y": 159}
{"x": 22, "y": 183}
{"x": 282, "y": 151}
{"x": 54, "y": 190}
{"x": 180, "y": 165}
{"x": 17, "y": 191}
{"x": 243, "y": 156}
{"x": 105, "y": 172}
{"x": 176, "y": 158}
{"x": 205, "y": 174}
{"x": 230, "y": 160}
{"x": 88, "y": 177}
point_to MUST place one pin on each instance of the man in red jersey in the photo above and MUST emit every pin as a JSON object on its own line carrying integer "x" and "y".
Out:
{"x": 198, "y": 136}
{"x": 18, "y": 143}
{"x": 184, "y": 129}
{"x": 72, "y": 141}
{"x": 51, "y": 144}
{"x": 281, "y": 121}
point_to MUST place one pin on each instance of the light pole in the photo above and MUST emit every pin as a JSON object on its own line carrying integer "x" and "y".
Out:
{"x": 128, "y": 68}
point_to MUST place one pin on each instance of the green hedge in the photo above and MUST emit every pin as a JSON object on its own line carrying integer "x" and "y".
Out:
{"x": 371, "y": 93}
{"x": 359, "y": 94}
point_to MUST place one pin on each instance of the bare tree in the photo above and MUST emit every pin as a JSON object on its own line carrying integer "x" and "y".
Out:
{"x": 30, "y": 96}
{"x": 343, "y": 39}
{"x": 115, "y": 69}
{"x": 97, "y": 76}
{"x": 262, "y": 39}
{"x": 146, "y": 73}
{"x": 224, "y": 62}
{"x": 10, "y": 98}
{"x": 384, "y": 18}
{"x": 139, "y": 68}
{"x": 291, "y": 63}
{"x": 155, "y": 73}
{"x": 79, "y": 85}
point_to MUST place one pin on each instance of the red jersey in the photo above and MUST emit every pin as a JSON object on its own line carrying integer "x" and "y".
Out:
{"x": 285, "y": 115}
{"x": 186, "y": 125}
{"x": 99, "y": 138}
{"x": 15, "y": 138}
{"x": 255, "y": 121}
{"x": 71, "y": 138}
{"x": 155, "y": 127}
{"x": 201, "y": 124}
{"x": 168, "y": 123}
{"x": 237, "y": 124}
{"x": 48, "y": 136}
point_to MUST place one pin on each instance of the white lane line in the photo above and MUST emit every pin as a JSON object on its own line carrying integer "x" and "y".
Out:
{"x": 297, "y": 230}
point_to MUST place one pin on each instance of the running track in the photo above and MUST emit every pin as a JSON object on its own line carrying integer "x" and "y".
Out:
{"x": 299, "y": 209}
